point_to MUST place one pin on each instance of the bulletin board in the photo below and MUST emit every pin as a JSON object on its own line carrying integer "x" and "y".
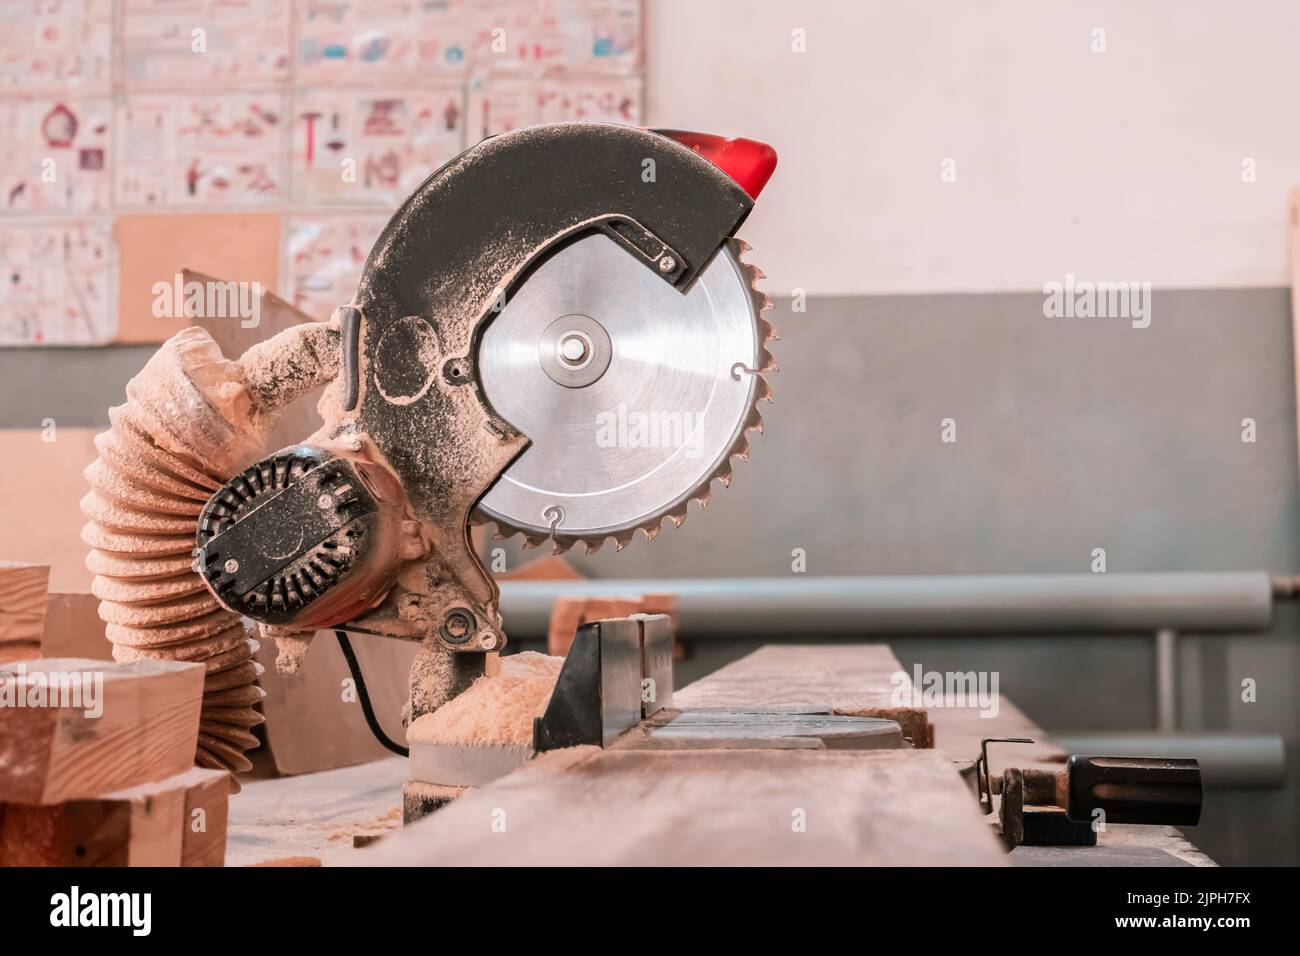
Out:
{"x": 244, "y": 126}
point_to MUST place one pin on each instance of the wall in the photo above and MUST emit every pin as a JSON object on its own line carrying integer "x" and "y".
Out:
{"x": 1119, "y": 165}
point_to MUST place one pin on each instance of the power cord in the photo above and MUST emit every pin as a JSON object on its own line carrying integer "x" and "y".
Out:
{"x": 346, "y": 647}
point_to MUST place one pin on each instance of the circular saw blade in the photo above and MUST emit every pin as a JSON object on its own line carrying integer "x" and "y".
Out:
{"x": 634, "y": 396}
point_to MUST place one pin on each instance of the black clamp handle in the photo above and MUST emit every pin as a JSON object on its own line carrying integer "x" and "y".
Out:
{"x": 1148, "y": 790}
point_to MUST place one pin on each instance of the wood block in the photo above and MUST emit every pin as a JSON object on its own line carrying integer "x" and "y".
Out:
{"x": 311, "y": 725}
{"x": 150, "y": 825}
{"x": 146, "y": 728}
{"x": 204, "y": 839}
{"x": 566, "y": 617}
{"x": 22, "y": 601}
{"x": 570, "y": 613}
{"x": 73, "y": 627}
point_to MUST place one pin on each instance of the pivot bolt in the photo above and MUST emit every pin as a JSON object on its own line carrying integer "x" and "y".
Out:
{"x": 488, "y": 641}
{"x": 667, "y": 264}
{"x": 457, "y": 626}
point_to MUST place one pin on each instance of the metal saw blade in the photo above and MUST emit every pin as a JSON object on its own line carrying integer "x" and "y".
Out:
{"x": 634, "y": 395}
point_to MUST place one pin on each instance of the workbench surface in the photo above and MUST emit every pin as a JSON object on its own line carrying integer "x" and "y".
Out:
{"x": 617, "y": 806}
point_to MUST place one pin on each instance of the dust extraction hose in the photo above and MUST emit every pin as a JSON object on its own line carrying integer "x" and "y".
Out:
{"x": 192, "y": 420}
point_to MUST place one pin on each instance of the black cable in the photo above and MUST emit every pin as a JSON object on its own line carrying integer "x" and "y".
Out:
{"x": 346, "y": 646}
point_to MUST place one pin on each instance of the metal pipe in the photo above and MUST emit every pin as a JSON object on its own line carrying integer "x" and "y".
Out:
{"x": 1166, "y": 681}
{"x": 937, "y": 604}
{"x": 1228, "y": 761}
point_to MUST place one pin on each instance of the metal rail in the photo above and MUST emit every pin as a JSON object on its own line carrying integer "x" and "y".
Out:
{"x": 931, "y": 604}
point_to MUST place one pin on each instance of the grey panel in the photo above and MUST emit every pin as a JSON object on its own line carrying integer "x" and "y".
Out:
{"x": 73, "y": 386}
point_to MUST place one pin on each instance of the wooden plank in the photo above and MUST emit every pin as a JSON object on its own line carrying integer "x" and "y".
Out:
{"x": 570, "y": 613}
{"x": 152, "y": 248}
{"x": 22, "y": 602}
{"x": 73, "y": 627}
{"x": 314, "y": 722}
{"x": 149, "y": 825}
{"x": 146, "y": 728}
{"x": 46, "y": 529}
{"x": 585, "y": 806}
{"x": 849, "y": 676}
{"x": 856, "y": 680}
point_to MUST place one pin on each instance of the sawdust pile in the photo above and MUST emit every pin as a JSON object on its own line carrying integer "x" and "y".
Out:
{"x": 495, "y": 710}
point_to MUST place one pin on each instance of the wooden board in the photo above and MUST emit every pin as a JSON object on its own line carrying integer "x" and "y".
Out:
{"x": 570, "y": 613}
{"x": 73, "y": 627}
{"x": 22, "y": 602}
{"x": 311, "y": 725}
{"x": 207, "y": 815}
{"x": 46, "y": 528}
{"x": 856, "y": 680}
{"x": 586, "y": 806}
{"x": 155, "y": 824}
{"x": 147, "y": 730}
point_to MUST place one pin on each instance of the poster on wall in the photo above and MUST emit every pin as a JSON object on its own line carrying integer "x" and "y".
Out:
{"x": 325, "y": 112}
{"x": 60, "y": 46}
{"x": 325, "y": 257}
{"x": 372, "y": 146}
{"x": 58, "y": 287}
{"x": 199, "y": 150}
{"x": 166, "y": 44}
{"x": 535, "y": 37}
{"x": 355, "y": 41}
{"x": 54, "y": 155}
{"x": 501, "y": 104}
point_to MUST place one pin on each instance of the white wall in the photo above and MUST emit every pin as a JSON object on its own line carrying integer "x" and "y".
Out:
{"x": 1120, "y": 165}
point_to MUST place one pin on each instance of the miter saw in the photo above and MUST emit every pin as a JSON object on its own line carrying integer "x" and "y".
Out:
{"x": 556, "y": 333}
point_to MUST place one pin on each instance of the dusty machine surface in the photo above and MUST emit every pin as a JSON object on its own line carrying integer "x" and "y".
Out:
{"x": 556, "y": 333}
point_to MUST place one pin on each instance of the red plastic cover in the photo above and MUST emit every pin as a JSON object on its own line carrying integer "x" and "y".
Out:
{"x": 747, "y": 161}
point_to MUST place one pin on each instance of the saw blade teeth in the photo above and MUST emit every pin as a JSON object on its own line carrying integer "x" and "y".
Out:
{"x": 761, "y": 303}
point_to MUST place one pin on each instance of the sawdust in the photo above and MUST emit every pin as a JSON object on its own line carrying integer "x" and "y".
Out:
{"x": 378, "y": 826}
{"x": 497, "y": 710}
{"x": 290, "y": 364}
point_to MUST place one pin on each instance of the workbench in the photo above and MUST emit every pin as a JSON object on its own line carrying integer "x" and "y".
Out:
{"x": 621, "y": 805}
